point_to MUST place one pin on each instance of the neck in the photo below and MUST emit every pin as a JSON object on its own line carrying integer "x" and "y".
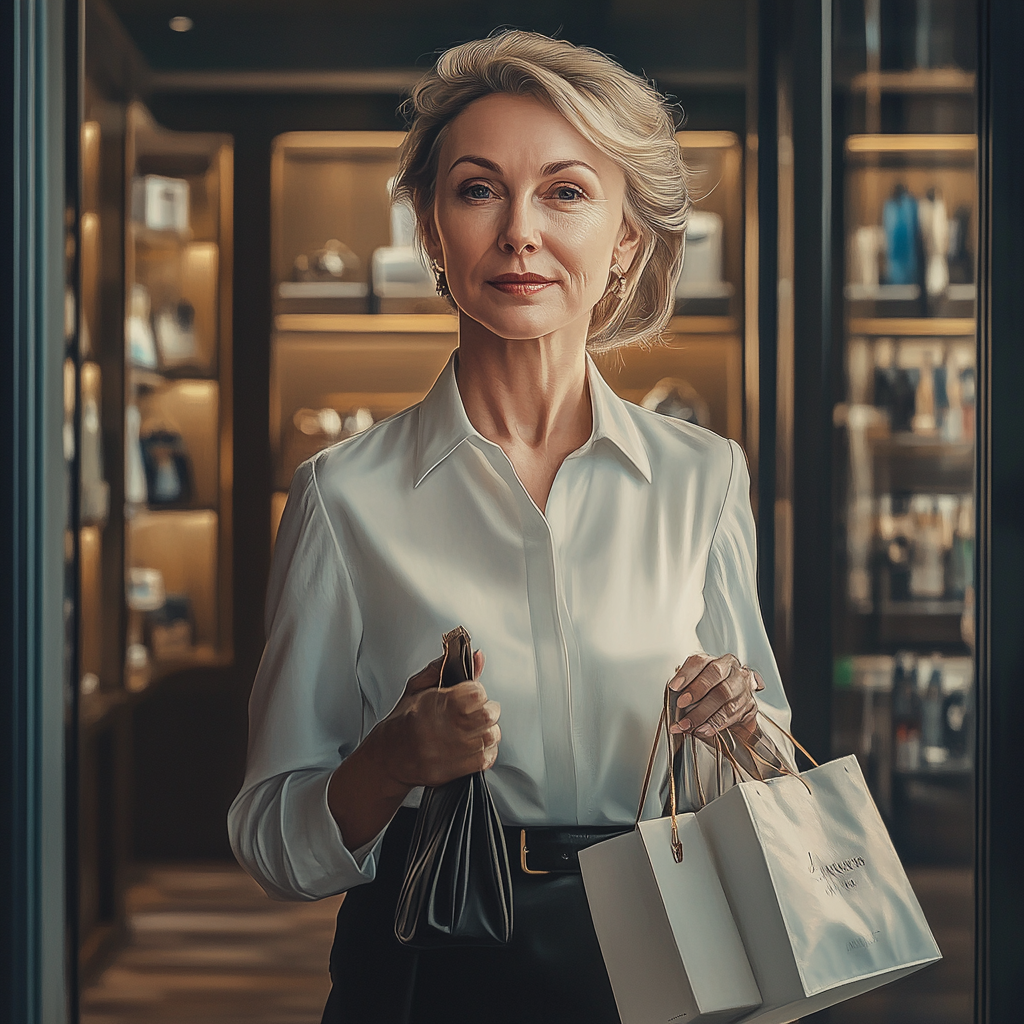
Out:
{"x": 530, "y": 397}
{"x": 525, "y": 393}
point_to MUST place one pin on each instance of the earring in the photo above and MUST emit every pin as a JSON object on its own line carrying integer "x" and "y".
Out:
{"x": 618, "y": 289}
{"x": 440, "y": 281}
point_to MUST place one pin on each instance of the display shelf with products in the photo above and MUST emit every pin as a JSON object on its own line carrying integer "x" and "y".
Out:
{"x": 154, "y": 454}
{"x": 905, "y": 428}
{"x": 177, "y": 412}
{"x": 360, "y": 333}
{"x": 912, "y": 231}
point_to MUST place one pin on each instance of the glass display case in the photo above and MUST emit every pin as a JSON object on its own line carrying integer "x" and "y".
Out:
{"x": 907, "y": 510}
{"x": 360, "y": 333}
{"x": 903, "y": 620}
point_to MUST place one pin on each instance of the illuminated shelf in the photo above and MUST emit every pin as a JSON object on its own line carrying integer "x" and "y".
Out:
{"x": 941, "y": 145}
{"x": 919, "y": 80}
{"x": 441, "y": 323}
{"x": 366, "y": 323}
{"x": 915, "y": 326}
{"x": 323, "y": 289}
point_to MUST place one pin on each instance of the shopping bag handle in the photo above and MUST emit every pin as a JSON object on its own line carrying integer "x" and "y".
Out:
{"x": 723, "y": 751}
{"x": 663, "y": 722}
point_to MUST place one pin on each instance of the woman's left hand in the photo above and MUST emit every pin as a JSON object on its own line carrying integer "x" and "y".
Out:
{"x": 715, "y": 694}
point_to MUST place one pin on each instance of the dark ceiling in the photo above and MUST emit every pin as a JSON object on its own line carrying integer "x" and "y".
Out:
{"x": 652, "y": 36}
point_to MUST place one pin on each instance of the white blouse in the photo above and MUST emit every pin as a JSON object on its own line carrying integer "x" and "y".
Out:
{"x": 644, "y": 555}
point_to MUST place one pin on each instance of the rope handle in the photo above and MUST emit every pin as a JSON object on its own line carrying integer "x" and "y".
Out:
{"x": 663, "y": 721}
{"x": 725, "y": 750}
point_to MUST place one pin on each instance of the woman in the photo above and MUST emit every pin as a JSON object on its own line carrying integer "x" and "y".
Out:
{"x": 587, "y": 545}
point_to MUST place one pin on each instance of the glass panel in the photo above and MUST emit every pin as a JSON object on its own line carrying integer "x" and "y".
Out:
{"x": 904, "y": 692}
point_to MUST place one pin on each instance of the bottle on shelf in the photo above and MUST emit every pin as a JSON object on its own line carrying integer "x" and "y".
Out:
{"x": 906, "y": 713}
{"x": 934, "y": 221}
{"x": 933, "y": 736}
{"x": 924, "y": 418}
{"x": 960, "y": 571}
{"x": 896, "y": 529}
{"x": 957, "y": 723}
{"x": 900, "y": 221}
{"x": 953, "y": 421}
{"x": 927, "y": 579}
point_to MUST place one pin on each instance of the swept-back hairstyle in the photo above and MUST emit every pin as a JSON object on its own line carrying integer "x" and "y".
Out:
{"x": 611, "y": 108}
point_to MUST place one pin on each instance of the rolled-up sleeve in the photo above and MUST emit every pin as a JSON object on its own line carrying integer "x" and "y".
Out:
{"x": 732, "y": 622}
{"x": 305, "y": 713}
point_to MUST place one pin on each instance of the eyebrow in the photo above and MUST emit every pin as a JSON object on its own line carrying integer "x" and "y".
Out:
{"x": 552, "y": 168}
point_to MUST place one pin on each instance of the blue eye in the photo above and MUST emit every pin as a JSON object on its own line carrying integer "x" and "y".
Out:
{"x": 477, "y": 191}
{"x": 567, "y": 193}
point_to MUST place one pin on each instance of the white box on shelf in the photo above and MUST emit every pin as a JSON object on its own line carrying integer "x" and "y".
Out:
{"x": 161, "y": 204}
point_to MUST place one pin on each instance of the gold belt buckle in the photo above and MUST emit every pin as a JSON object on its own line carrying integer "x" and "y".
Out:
{"x": 523, "y": 851}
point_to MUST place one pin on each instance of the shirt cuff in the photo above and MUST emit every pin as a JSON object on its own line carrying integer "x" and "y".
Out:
{"x": 320, "y": 864}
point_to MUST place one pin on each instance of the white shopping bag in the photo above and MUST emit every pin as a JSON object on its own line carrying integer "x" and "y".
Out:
{"x": 669, "y": 942}
{"x": 821, "y": 900}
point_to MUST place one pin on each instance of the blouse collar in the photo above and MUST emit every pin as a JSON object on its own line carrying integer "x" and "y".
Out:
{"x": 444, "y": 425}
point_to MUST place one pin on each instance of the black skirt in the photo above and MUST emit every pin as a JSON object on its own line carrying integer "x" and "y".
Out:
{"x": 551, "y": 973}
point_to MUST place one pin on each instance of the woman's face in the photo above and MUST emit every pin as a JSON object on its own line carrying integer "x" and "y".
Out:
{"x": 528, "y": 218}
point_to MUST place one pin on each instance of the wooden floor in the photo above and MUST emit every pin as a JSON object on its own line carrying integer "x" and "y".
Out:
{"x": 208, "y": 947}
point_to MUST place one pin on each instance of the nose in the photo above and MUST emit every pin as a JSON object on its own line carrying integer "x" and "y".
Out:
{"x": 519, "y": 234}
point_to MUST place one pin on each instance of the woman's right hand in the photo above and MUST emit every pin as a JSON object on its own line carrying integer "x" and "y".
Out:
{"x": 434, "y": 735}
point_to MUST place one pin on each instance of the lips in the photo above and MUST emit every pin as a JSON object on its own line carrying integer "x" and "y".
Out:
{"x": 520, "y": 284}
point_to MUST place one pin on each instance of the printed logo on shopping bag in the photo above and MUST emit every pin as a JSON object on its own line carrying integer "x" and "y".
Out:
{"x": 862, "y": 943}
{"x": 838, "y": 874}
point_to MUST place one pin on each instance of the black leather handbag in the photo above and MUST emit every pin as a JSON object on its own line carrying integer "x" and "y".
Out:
{"x": 458, "y": 884}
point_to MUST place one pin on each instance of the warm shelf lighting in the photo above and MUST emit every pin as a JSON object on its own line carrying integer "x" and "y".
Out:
{"x": 181, "y": 24}
{"x": 911, "y": 143}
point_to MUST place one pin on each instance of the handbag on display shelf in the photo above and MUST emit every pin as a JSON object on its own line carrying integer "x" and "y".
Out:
{"x": 458, "y": 885}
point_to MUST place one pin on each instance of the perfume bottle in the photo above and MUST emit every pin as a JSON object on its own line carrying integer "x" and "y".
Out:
{"x": 899, "y": 219}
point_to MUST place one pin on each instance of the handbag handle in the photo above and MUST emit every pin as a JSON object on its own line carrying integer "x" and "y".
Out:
{"x": 663, "y": 721}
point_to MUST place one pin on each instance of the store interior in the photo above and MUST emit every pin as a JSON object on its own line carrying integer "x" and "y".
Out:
{"x": 249, "y": 294}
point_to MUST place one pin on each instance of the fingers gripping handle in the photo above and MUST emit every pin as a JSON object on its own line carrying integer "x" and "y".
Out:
{"x": 724, "y": 748}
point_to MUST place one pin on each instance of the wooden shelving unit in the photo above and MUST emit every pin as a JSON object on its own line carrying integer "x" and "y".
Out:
{"x": 120, "y": 528}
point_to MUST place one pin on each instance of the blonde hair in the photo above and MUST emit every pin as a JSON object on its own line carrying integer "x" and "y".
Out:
{"x": 612, "y": 109}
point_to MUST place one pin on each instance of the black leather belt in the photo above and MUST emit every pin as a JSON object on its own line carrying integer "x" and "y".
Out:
{"x": 554, "y": 849}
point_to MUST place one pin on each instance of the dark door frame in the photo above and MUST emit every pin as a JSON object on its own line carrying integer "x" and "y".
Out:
{"x": 33, "y": 511}
{"x": 1000, "y": 488}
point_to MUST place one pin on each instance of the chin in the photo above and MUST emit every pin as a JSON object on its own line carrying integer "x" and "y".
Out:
{"x": 517, "y": 323}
